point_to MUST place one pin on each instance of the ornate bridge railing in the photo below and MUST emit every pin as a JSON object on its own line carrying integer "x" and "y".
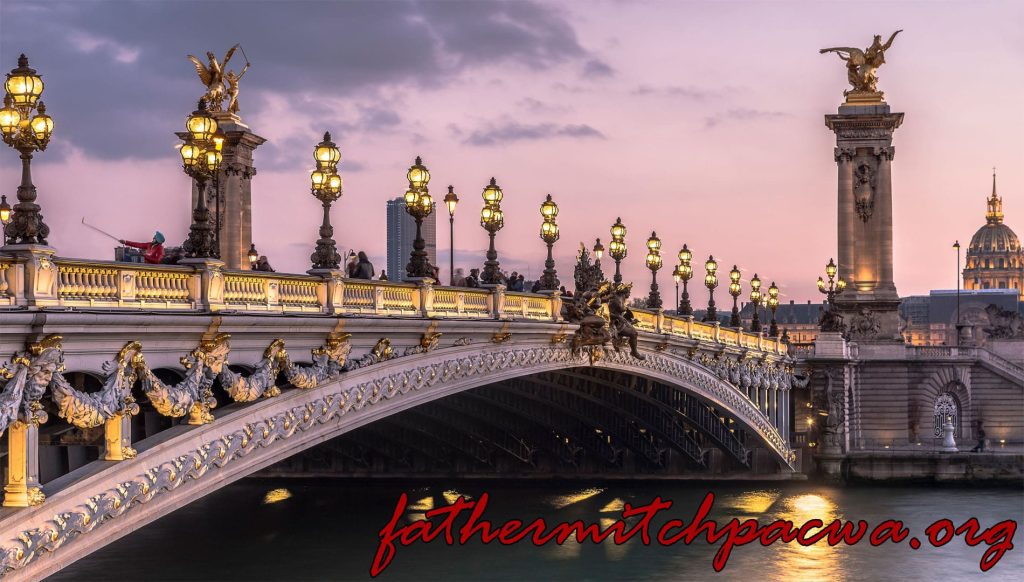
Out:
{"x": 204, "y": 286}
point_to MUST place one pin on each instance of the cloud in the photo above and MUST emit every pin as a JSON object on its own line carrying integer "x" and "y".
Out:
{"x": 742, "y": 114}
{"x": 688, "y": 92}
{"x": 512, "y": 131}
{"x": 537, "y": 106}
{"x": 121, "y": 82}
{"x": 595, "y": 68}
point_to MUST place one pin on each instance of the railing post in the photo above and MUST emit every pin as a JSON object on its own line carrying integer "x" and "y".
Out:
{"x": 426, "y": 292}
{"x": 688, "y": 326}
{"x": 41, "y": 274}
{"x": 22, "y": 488}
{"x": 331, "y": 291}
{"x": 716, "y": 331}
{"x": 210, "y": 294}
{"x": 117, "y": 438}
{"x": 555, "y": 302}
{"x": 659, "y": 320}
{"x": 378, "y": 299}
{"x": 460, "y": 302}
{"x": 497, "y": 300}
{"x": 127, "y": 284}
{"x": 12, "y": 281}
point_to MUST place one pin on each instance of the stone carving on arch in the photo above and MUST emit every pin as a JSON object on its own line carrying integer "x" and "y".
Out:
{"x": 953, "y": 380}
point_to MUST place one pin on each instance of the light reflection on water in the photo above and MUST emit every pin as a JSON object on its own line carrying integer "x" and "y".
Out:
{"x": 328, "y": 530}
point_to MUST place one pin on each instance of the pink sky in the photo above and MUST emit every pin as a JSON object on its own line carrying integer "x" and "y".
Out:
{"x": 713, "y": 135}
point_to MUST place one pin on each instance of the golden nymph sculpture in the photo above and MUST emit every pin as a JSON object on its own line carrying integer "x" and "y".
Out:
{"x": 862, "y": 65}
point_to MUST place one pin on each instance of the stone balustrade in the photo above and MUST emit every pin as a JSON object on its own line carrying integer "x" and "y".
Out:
{"x": 44, "y": 282}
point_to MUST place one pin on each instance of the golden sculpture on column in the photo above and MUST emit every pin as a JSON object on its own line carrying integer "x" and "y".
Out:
{"x": 862, "y": 68}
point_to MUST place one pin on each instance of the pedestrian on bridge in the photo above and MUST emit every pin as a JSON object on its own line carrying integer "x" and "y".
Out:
{"x": 364, "y": 268}
{"x": 980, "y": 447}
{"x": 154, "y": 250}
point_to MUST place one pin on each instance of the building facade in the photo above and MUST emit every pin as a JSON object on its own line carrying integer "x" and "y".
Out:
{"x": 402, "y": 233}
{"x": 994, "y": 258}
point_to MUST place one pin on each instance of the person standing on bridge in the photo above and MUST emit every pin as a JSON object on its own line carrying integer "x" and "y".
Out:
{"x": 154, "y": 250}
{"x": 980, "y": 447}
{"x": 364, "y": 268}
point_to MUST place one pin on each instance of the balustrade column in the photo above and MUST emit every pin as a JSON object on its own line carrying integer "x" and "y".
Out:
{"x": 117, "y": 438}
{"x": 773, "y": 406}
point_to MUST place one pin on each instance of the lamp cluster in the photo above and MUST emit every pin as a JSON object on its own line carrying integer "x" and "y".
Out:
{"x": 201, "y": 158}
{"x": 326, "y": 186}
{"x": 549, "y": 234}
{"x": 684, "y": 272}
{"x": 653, "y": 261}
{"x": 617, "y": 248}
{"x": 492, "y": 219}
{"x": 419, "y": 204}
{"x": 25, "y": 132}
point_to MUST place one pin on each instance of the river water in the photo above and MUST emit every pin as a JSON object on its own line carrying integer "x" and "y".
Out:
{"x": 308, "y": 529}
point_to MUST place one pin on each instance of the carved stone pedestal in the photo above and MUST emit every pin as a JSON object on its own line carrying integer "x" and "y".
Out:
{"x": 37, "y": 275}
{"x": 22, "y": 488}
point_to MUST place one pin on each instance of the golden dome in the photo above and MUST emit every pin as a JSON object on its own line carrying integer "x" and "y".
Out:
{"x": 994, "y": 237}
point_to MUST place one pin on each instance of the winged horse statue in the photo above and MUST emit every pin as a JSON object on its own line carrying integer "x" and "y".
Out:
{"x": 212, "y": 76}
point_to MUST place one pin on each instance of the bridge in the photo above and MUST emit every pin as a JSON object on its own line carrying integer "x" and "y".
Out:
{"x": 143, "y": 388}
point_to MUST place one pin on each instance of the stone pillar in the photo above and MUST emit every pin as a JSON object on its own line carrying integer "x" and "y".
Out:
{"x": 863, "y": 154}
{"x": 233, "y": 187}
{"x": 37, "y": 280}
{"x": 210, "y": 296}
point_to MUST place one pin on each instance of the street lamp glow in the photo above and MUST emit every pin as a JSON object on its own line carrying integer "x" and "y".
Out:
{"x": 492, "y": 194}
{"x": 418, "y": 175}
{"x": 451, "y": 200}
{"x": 201, "y": 124}
{"x": 598, "y": 249}
{"x": 326, "y": 154}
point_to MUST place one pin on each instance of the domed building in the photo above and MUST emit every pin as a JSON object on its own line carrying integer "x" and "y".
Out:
{"x": 995, "y": 259}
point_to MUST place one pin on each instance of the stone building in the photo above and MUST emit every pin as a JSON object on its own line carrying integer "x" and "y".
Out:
{"x": 995, "y": 259}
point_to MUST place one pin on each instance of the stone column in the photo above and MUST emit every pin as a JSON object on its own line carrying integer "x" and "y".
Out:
{"x": 846, "y": 214}
{"x": 885, "y": 155}
{"x": 22, "y": 488}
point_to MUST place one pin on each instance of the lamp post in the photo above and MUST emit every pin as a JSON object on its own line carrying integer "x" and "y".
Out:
{"x": 755, "y": 299}
{"x": 956, "y": 245}
{"x": 451, "y": 200}
{"x": 734, "y": 290}
{"x": 326, "y": 187}
{"x": 617, "y": 248}
{"x": 711, "y": 281}
{"x": 685, "y": 273}
{"x": 200, "y": 159}
{"x": 677, "y": 277}
{"x": 598, "y": 252}
{"x": 22, "y": 91}
{"x": 549, "y": 234}
{"x": 492, "y": 219}
{"x": 773, "y": 304}
{"x": 419, "y": 205}
{"x": 5, "y": 215}
{"x": 654, "y": 263}
{"x": 253, "y": 255}
{"x": 831, "y": 320}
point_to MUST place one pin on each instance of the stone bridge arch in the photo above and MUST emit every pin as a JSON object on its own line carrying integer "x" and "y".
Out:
{"x": 88, "y": 509}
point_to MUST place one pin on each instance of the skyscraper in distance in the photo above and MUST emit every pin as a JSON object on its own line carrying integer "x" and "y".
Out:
{"x": 402, "y": 233}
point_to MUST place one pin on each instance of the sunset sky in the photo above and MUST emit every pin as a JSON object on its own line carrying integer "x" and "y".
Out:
{"x": 702, "y": 121}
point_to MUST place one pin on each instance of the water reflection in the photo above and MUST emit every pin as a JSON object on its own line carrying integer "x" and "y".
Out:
{"x": 815, "y": 562}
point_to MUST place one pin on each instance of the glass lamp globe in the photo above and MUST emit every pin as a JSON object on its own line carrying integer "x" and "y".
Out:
{"x": 492, "y": 194}
{"x": 548, "y": 209}
{"x": 23, "y": 84}
{"x": 418, "y": 175}
{"x": 618, "y": 230}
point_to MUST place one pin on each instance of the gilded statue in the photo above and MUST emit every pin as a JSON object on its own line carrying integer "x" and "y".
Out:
{"x": 212, "y": 76}
{"x": 232, "y": 78}
{"x": 862, "y": 65}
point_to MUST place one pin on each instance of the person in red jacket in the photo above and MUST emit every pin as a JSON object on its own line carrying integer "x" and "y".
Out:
{"x": 154, "y": 250}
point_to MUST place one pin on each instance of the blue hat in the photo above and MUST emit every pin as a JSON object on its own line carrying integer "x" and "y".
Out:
{"x": 159, "y": 237}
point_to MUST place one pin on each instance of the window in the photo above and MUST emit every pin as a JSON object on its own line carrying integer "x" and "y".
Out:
{"x": 946, "y": 407}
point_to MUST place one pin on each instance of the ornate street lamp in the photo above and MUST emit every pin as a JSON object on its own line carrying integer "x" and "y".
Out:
{"x": 549, "y": 234}
{"x": 711, "y": 281}
{"x": 685, "y": 273}
{"x": 451, "y": 200}
{"x": 200, "y": 159}
{"x": 419, "y": 205}
{"x": 654, "y": 263}
{"x": 326, "y": 186}
{"x": 23, "y": 89}
{"x": 492, "y": 219}
{"x": 735, "y": 290}
{"x": 253, "y": 255}
{"x": 617, "y": 248}
{"x": 755, "y": 300}
{"x": 773, "y": 304}
{"x": 5, "y": 214}
{"x": 598, "y": 252}
{"x": 830, "y": 320}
